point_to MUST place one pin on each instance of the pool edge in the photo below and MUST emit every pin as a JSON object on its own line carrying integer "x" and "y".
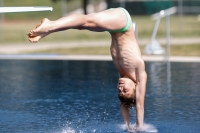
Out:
{"x": 95, "y": 58}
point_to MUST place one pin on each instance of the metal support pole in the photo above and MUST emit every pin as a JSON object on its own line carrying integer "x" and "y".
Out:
{"x": 122, "y": 3}
{"x": 180, "y": 14}
{"x": 135, "y": 28}
{"x": 168, "y": 76}
{"x": 167, "y": 37}
{"x": 154, "y": 47}
{"x": 153, "y": 37}
{"x": 64, "y": 11}
{"x": 64, "y": 7}
{"x": 1, "y": 22}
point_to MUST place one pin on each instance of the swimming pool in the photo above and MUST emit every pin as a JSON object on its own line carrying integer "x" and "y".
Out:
{"x": 60, "y": 96}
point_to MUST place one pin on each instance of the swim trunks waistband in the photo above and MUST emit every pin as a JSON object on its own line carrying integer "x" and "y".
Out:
{"x": 128, "y": 21}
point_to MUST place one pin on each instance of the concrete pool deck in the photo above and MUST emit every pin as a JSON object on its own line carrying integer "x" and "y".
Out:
{"x": 95, "y": 58}
{"x": 16, "y": 51}
{"x": 29, "y": 47}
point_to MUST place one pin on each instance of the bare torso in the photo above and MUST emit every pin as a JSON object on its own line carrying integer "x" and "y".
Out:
{"x": 125, "y": 53}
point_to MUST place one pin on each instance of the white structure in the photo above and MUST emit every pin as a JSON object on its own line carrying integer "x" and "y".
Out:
{"x": 24, "y": 9}
{"x": 18, "y": 9}
{"x": 153, "y": 47}
{"x": 135, "y": 28}
{"x": 198, "y": 17}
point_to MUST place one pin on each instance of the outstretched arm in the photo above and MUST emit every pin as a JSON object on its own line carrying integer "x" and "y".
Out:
{"x": 125, "y": 114}
{"x": 101, "y": 21}
{"x": 140, "y": 94}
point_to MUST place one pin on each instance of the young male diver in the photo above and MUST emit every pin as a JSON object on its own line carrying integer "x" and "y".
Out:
{"x": 124, "y": 50}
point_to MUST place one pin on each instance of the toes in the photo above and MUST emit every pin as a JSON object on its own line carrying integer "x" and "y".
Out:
{"x": 31, "y": 33}
{"x": 34, "y": 39}
{"x": 30, "y": 40}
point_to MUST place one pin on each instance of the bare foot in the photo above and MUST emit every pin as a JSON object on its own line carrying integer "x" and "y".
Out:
{"x": 41, "y": 31}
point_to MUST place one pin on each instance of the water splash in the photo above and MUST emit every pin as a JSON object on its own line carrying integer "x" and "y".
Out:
{"x": 146, "y": 127}
{"x": 117, "y": 128}
{"x": 68, "y": 130}
{"x": 149, "y": 128}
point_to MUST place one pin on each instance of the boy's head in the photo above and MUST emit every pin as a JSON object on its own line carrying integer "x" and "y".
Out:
{"x": 126, "y": 94}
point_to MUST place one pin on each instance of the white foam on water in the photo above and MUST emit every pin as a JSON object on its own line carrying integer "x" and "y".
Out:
{"x": 149, "y": 128}
{"x": 109, "y": 127}
{"x": 68, "y": 130}
{"x": 146, "y": 127}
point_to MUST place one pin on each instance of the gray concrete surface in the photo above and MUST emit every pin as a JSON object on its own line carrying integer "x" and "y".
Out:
{"x": 15, "y": 51}
{"x": 29, "y": 47}
{"x": 94, "y": 57}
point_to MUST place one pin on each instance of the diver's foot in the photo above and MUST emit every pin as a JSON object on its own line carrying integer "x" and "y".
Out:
{"x": 41, "y": 31}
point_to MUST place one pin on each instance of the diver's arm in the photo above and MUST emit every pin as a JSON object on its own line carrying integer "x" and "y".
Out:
{"x": 140, "y": 96}
{"x": 125, "y": 115}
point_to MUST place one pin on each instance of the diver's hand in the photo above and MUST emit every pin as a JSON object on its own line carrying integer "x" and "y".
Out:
{"x": 134, "y": 130}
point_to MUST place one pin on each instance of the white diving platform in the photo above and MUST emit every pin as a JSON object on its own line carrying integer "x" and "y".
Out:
{"x": 25, "y": 9}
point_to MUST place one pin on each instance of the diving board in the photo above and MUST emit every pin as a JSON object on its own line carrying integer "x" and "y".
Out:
{"x": 25, "y": 9}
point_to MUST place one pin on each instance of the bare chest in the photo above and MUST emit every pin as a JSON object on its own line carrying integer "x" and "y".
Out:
{"x": 125, "y": 60}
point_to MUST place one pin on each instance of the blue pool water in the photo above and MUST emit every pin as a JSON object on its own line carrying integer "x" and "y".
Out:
{"x": 81, "y": 97}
